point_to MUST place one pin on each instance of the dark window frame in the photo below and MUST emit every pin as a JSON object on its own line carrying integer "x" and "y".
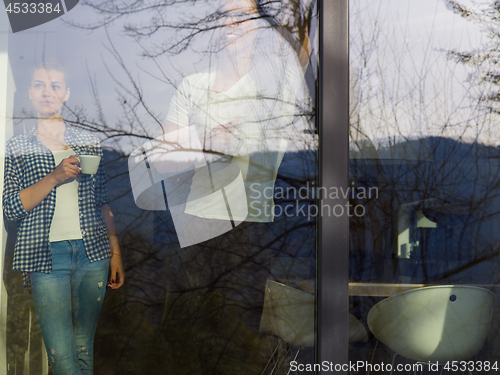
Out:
{"x": 333, "y": 236}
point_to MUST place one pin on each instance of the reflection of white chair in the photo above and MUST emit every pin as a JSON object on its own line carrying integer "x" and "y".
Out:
{"x": 439, "y": 323}
{"x": 289, "y": 314}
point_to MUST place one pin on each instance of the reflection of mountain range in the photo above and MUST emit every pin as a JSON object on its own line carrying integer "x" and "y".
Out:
{"x": 432, "y": 167}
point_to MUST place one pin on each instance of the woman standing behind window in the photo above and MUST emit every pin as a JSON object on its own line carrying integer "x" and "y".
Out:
{"x": 66, "y": 240}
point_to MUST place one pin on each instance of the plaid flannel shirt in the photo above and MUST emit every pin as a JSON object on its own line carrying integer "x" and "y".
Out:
{"x": 27, "y": 161}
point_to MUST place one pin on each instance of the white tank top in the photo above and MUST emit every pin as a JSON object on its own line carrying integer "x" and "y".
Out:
{"x": 66, "y": 221}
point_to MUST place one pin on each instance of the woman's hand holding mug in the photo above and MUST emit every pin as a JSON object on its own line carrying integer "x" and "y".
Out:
{"x": 67, "y": 168}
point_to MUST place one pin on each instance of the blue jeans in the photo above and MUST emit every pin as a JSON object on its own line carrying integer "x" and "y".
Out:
{"x": 68, "y": 301}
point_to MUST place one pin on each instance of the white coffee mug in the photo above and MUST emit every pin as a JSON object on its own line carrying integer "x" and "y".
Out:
{"x": 89, "y": 163}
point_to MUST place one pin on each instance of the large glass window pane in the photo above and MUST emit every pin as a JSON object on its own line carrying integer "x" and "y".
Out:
{"x": 423, "y": 265}
{"x": 203, "y": 113}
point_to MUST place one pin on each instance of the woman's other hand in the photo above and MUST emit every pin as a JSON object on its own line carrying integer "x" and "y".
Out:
{"x": 116, "y": 264}
{"x": 67, "y": 169}
{"x": 223, "y": 139}
{"x": 117, "y": 273}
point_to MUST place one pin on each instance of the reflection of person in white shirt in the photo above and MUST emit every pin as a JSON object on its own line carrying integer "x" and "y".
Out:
{"x": 241, "y": 111}
{"x": 229, "y": 127}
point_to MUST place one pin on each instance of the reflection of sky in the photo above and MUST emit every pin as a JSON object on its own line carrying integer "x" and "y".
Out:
{"x": 408, "y": 88}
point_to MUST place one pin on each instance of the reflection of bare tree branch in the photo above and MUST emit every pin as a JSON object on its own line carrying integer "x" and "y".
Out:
{"x": 483, "y": 59}
{"x": 292, "y": 18}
